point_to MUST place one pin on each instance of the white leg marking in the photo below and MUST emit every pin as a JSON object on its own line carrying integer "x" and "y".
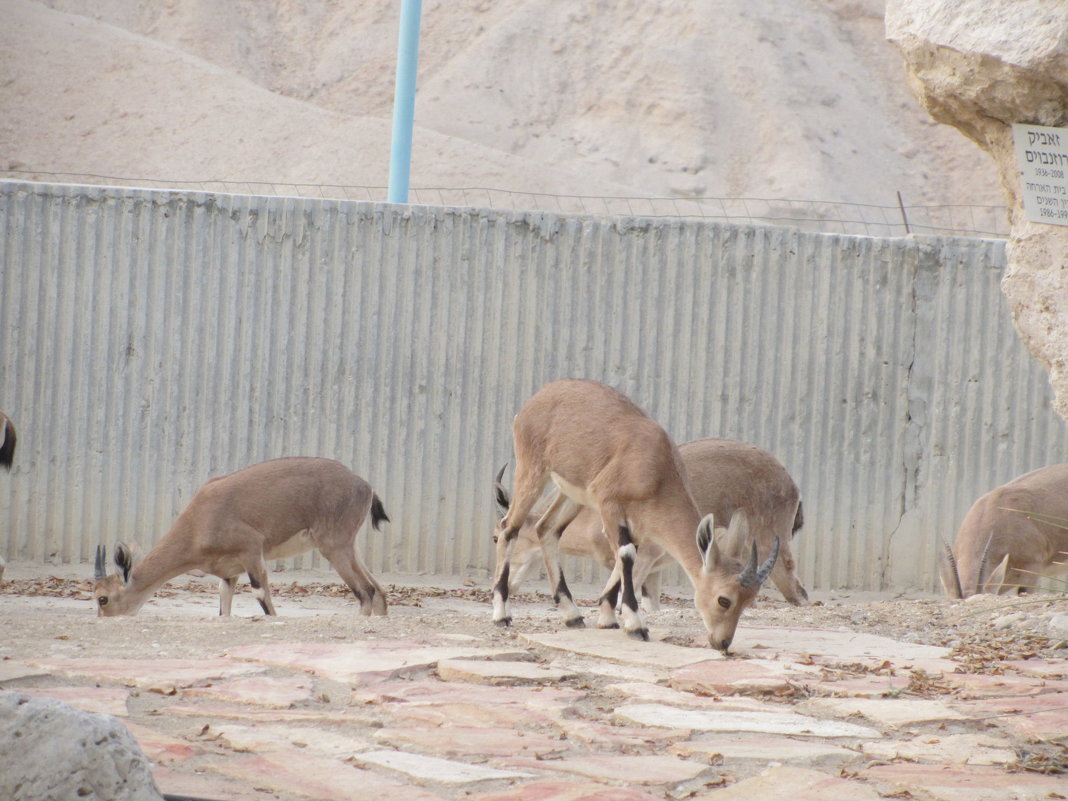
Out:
{"x": 500, "y": 606}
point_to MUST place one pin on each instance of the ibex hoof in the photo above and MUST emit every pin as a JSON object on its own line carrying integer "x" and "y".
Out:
{"x": 608, "y": 625}
{"x": 639, "y": 634}
{"x": 575, "y": 623}
{"x": 503, "y": 623}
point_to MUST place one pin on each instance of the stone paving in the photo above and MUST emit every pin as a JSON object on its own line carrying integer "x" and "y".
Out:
{"x": 572, "y": 715}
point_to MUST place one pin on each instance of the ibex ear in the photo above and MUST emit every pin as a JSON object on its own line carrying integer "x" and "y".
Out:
{"x": 706, "y": 543}
{"x": 124, "y": 558}
{"x": 499, "y": 492}
{"x": 997, "y": 577}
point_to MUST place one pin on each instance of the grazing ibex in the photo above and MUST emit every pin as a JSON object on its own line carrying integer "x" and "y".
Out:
{"x": 724, "y": 476}
{"x": 234, "y": 523}
{"x": 602, "y": 451}
{"x": 1011, "y": 536}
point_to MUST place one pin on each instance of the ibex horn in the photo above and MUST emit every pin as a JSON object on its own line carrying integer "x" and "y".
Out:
{"x": 981, "y": 579}
{"x": 950, "y": 561}
{"x": 100, "y": 569}
{"x": 500, "y": 493}
{"x": 753, "y": 576}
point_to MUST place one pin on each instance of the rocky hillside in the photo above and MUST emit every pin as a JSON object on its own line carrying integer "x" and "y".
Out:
{"x": 795, "y": 99}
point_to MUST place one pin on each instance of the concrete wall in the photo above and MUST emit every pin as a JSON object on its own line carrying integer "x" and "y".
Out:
{"x": 150, "y": 340}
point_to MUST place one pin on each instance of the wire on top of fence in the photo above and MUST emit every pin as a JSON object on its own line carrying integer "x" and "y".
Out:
{"x": 816, "y": 216}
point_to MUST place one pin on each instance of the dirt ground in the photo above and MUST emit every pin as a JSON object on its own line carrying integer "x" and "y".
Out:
{"x": 49, "y": 620}
{"x": 982, "y": 631}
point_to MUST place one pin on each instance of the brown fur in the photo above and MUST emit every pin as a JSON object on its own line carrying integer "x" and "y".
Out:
{"x": 234, "y": 523}
{"x": 999, "y": 547}
{"x": 724, "y": 476}
{"x": 602, "y": 451}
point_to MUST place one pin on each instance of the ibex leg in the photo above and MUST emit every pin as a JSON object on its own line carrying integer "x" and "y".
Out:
{"x": 528, "y": 487}
{"x": 226, "y": 595}
{"x": 557, "y": 517}
{"x": 346, "y": 561}
{"x": 632, "y": 616}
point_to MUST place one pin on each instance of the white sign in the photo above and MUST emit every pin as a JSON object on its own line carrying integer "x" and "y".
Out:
{"x": 1042, "y": 155}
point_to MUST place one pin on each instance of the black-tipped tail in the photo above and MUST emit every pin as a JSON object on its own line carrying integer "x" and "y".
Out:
{"x": 378, "y": 513}
{"x": 799, "y": 519}
{"x": 7, "y": 448}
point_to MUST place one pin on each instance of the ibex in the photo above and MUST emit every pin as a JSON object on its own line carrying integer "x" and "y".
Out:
{"x": 724, "y": 476}
{"x": 1011, "y": 536}
{"x": 234, "y": 523}
{"x": 602, "y": 451}
{"x": 7, "y": 458}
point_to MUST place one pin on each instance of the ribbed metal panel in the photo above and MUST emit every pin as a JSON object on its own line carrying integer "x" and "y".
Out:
{"x": 151, "y": 340}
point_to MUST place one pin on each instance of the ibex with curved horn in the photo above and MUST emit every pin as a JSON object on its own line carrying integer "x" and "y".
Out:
{"x": 602, "y": 451}
{"x": 724, "y": 475}
{"x": 1011, "y": 536}
{"x": 234, "y": 523}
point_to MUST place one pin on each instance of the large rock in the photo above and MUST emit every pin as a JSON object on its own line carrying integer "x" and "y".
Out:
{"x": 982, "y": 65}
{"x": 49, "y": 750}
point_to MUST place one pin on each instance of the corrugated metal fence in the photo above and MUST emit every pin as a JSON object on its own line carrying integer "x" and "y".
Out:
{"x": 153, "y": 339}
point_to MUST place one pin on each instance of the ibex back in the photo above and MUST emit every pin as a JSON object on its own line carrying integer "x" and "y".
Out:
{"x": 1011, "y": 536}
{"x": 602, "y": 451}
{"x": 236, "y": 522}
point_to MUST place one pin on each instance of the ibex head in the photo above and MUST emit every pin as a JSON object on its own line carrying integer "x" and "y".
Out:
{"x": 726, "y": 586}
{"x": 110, "y": 592}
{"x": 1010, "y": 537}
{"x": 979, "y": 578}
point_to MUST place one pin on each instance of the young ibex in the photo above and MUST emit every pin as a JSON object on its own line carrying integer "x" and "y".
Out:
{"x": 602, "y": 451}
{"x": 1011, "y": 536}
{"x": 234, "y": 523}
{"x": 724, "y": 476}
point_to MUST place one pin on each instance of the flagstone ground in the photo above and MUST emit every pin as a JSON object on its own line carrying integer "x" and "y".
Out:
{"x": 853, "y": 698}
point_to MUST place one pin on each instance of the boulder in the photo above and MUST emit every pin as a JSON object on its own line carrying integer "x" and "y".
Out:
{"x": 50, "y": 750}
{"x": 982, "y": 65}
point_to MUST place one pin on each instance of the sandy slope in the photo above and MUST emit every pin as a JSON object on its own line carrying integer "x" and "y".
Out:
{"x": 791, "y": 98}
{"x": 81, "y": 96}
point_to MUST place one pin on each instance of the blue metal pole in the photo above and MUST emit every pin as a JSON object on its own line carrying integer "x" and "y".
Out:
{"x": 400, "y": 157}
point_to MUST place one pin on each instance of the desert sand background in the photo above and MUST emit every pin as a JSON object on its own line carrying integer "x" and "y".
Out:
{"x": 790, "y": 99}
